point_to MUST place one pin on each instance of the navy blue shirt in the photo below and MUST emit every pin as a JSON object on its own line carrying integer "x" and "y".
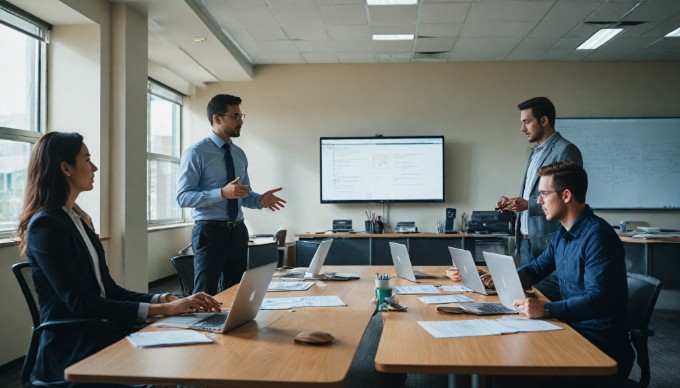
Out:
{"x": 588, "y": 260}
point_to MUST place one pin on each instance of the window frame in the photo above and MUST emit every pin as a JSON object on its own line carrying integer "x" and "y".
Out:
{"x": 36, "y": 28}
{"x": 161, "y": 91}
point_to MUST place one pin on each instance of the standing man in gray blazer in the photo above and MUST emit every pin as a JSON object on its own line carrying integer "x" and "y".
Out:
{"x": 533, "y": 232}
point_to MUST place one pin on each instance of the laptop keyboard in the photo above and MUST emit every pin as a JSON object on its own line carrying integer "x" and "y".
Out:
{"x": 495, "y": 308}
{"x": 214, "y": 322}
{"x": 294, "y": 275}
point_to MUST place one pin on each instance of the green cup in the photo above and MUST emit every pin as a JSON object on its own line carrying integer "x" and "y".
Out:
{"x": 382, "y": 293}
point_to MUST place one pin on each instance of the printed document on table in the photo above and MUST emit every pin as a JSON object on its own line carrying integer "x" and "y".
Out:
{"x": 455, "y": 289}
{"x": 303, "y": 301}
{"x": 151, "y": 339}
{"x": 480, "y": 327}
{"x": 412, "y": 290}
{"x": 440, "y": 299}
{"x": 289, "y": 286}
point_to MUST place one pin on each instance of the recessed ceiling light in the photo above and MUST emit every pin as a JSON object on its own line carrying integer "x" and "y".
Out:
{"x": 599, "y": 38}
{"x": 394, "y": 37}
{"x": 674, "y": 34}
{"x": 391, "y": 2}
{"x": 198, "y": 39}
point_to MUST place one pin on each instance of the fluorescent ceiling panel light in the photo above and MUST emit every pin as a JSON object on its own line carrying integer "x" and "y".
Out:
{"x": 599, "y": 38}
{"x": 394, "y": 37}
{"x": 674, "y": 34}
{"x": 391, "y": 2}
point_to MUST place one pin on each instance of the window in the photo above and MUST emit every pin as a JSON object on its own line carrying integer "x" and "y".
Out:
{"x": 164, "y": 117}
{"x": 23, "y": 40}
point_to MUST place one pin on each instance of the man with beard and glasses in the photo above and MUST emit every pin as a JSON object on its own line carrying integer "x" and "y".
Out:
{"x": 214, "y": 181}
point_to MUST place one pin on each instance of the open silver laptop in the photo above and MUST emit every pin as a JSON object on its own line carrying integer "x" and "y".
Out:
{"x": 314, "y": 270}
{"x": 463, "y": 261}
{"x": 508, "y": 286}
{"x": 246, "y": 304}
{"x": 402, "y": 264}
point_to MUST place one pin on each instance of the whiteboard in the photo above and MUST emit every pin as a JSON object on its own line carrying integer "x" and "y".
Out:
{"x": 632, "y": 163}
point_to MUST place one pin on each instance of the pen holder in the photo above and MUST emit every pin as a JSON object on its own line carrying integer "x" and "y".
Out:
{"x": 382, "y": 283}
{"x": 368, "y": 226}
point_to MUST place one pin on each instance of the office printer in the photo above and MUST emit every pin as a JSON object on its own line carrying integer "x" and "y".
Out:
{"x": 492, "y": 222}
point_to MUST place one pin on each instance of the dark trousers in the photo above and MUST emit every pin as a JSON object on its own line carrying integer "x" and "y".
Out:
{"x": 549, "y": 286}
{"x": 220, "y": 253}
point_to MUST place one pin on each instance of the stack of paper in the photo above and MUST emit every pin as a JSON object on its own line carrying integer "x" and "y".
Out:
{"x": 477, "y": 327}
{"x": 151, "y": 339}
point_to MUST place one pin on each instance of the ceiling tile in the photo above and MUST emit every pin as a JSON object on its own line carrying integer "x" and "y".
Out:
{"x": 351, "y": 32}
{"x": 434, "y": 44}
{"x": 353, "y": 46}
{"x": 439, "y": 30}
{"x": 553, "y": 28}
{"x": 508, "y": 11}
{"x": 481, "y": 44}
{"x": 266, "y": 33}
{"x": 571, "y": 11}
{"x": 357, "y": 58}
{"x": 611, "y": 11}
{"x": 279, "y": 46}
{"x": 628, "y": 43}
{"x": 498, "y": 29}
{"x": 477, "y": 56}
{"x": 303, "y": 15}
{"x": 254, "y": 16}
{"x": 309, "y": 46}
{"x": 319, "y": 58}
{"x": 443, "y": 13}
{"x": 306, "y": 32}
{"x": 344, "y": 14}
{"x": 654, "y": 11}
{"x": 397, "y": 14}
{"x": 397, "y": 46}
{"x": 536, "y": 44}
{"x": 395, "y": 29}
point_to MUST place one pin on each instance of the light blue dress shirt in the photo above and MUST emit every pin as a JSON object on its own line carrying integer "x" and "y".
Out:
{"x": 203, "y": 173}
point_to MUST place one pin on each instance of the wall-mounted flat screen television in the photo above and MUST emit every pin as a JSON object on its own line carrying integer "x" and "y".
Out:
{"x": 382, "y": 169}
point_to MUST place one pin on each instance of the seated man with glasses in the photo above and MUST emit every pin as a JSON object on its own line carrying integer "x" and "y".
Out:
{"x": 588, "y": 259}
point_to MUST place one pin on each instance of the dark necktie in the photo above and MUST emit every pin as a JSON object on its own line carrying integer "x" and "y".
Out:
{"x": 232, "y": 204}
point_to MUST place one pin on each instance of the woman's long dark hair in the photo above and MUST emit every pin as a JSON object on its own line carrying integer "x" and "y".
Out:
{"x": 46, "y": 185}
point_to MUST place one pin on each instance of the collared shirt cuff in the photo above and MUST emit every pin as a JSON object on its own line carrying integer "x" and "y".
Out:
{"x": 142, "y": 312}
{"x": 216, "y": 193}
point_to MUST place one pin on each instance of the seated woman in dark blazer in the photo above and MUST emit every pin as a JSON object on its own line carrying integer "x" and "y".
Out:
{"x": 69, "y": 268}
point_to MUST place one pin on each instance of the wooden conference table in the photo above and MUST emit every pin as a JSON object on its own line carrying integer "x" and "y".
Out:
{"x": 262, "y": 352}
{"x": 551, "y": 353}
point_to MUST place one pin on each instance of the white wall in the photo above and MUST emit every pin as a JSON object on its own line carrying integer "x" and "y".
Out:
{"x": 473, "y": 105}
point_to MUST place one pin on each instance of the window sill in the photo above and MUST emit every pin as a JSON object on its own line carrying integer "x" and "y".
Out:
{"x": 156, "y": 228}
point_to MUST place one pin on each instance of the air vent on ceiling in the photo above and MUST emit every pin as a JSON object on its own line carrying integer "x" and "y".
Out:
{"x": 431, "y": 55}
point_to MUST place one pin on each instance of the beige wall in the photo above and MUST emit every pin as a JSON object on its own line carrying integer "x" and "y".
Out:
{"x": 472, "y": 104}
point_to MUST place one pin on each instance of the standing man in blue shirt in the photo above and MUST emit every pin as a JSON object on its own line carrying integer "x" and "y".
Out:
{"x": 214, "y": 181}
{"x": 533, "y": 232}
{"x": 588, "y": 259}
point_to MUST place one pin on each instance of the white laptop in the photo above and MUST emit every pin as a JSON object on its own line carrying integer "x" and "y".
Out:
{"x": 508, "y": 286}
{"x": 463, "y": 261}
{"x": 246, "y": 303}
{"x": 402, "y": 264}
{"x": 314, "y": 270}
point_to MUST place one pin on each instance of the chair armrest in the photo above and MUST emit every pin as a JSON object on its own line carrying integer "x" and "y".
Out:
{"x": 642, "y": 332}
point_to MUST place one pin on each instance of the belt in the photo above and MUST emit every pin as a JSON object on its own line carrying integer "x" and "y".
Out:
{"x": 526, "y": 236}
{"x": 221, "y": 224}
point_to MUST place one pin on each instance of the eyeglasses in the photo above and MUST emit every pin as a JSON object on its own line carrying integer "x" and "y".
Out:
{"x": 235, "y": 116}
{"x": 543, "y": 194}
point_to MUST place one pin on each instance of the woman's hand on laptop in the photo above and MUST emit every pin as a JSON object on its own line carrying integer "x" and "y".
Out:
{"x": 199, "y": 302}
{"x": 453, "y": 274}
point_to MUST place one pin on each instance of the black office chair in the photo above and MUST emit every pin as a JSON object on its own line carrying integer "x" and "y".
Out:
{"x": 643, "y": 292}
{"x": 22, "y": 271}
{"x": 184, "y": 265}
{"x": 262, "y": 254}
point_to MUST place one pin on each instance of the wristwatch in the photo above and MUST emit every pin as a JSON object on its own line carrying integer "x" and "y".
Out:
{"x": 546, "y": 311}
